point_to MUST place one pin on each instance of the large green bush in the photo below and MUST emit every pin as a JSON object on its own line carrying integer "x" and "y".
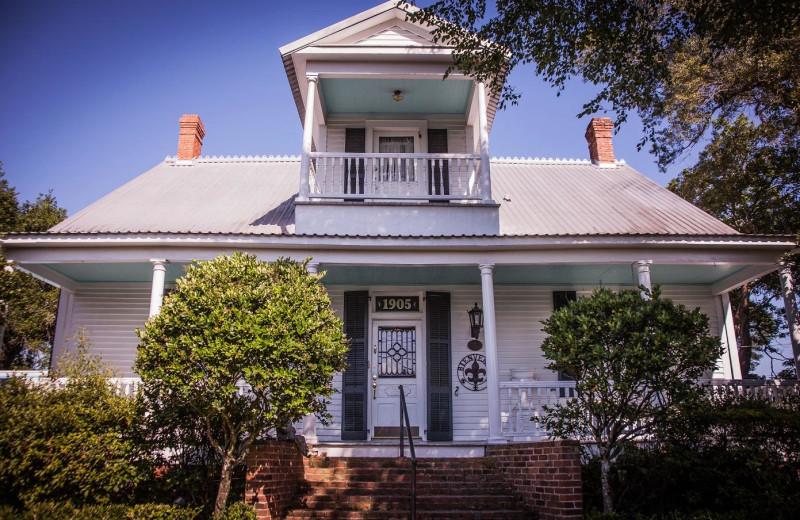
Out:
{"x": 72, "y": 443}
{"x": 732, "y": 458}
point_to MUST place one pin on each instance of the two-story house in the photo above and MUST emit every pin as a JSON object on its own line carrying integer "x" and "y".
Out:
{"x": 396, "y": 198}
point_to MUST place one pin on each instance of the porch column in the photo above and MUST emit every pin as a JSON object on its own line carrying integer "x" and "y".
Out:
{"x": 310, "y": 420}
{"x": 483, "y": 123}
{"x": 308, "y": 127}
{"x": 490, "y": 335}
{"x": 157, "y": 290}
{"x": 730, "y": 357}
{"x": 790, "y": 307}
{"x": 643, "y": 274}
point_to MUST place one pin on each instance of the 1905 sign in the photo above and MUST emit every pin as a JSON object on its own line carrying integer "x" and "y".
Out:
{"x": 397, "y": 304}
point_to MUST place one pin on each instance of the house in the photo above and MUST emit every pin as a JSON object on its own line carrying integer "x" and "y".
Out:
{"x": 396, "y": 198}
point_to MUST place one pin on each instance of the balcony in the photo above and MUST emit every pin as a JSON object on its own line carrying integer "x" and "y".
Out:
{"x": 395, "y": 177}
{"x": 396, "y": 194}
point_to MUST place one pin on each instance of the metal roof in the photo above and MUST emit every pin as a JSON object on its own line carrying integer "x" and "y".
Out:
{"x": 255, "y": 195}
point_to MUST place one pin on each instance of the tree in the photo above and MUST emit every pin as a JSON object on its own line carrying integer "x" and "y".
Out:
{"x": 678, "y": 64}
{"x": 634, "y": 358}
{"x": 28, "y": 306}
{"x": 687, "y": 68}
{"x": 752, "y": 185}
{"x": 234, "y": 321}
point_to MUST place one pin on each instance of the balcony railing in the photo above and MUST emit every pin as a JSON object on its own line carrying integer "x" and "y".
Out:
{"x": 524, "y": 401}
{"x": 776, "y": 391}
{"x": 385, "y": 176}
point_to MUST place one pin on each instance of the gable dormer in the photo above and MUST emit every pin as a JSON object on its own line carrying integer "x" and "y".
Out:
{"x": 389, "y": 146}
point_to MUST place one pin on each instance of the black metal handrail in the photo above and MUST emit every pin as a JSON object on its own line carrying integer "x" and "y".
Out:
{"x": 404, "y": 421}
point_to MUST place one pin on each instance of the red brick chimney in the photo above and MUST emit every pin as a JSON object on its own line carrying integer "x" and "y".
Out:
{"x": 598, "y": 135}
{"x": 190, "y": 139}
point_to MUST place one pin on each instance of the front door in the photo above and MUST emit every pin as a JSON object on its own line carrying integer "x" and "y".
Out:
{"x": 397, "y": 359}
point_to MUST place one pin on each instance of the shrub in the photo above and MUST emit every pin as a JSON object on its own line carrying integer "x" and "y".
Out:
{"x": 73, "y": 442}
{"x": 734, "y": 458}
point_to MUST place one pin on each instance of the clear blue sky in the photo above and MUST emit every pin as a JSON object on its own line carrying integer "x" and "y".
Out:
{"x": 92, "y": 90}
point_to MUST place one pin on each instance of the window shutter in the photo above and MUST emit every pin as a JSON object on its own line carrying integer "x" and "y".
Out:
{"x": 440, "y": 401}
{"x": 561, "y": 299}
{"x": 354, "y": 379}
{"x": 438, "y": 171}
{"x": 354, "y": 142}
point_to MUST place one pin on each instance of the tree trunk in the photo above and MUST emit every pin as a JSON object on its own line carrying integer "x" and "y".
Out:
{"x": 226, "y": 476}
{"x": 741, "y": 324}
{"x": 605, "y": 472}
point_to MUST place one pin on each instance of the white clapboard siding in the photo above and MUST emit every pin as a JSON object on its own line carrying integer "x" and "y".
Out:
{"x": 457, "y": 139}
{"x": 333, "y": 431}
{"x": 335, "y": 139}
{"x": 111, "y": 315}
{"x": 520, "y": 311}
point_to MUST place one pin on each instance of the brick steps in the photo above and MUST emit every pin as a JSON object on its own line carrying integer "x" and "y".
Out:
{"x": 379, "y": 488}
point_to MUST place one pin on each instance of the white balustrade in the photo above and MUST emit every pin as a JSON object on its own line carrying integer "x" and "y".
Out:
{"x": 775, "y": 391}
{"x": 373, "y": 176}
{"x": 523, "y": 402}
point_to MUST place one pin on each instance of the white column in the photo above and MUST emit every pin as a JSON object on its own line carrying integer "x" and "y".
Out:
{"x": 483, "y": 123}
{"x": 157, "y": 291}
{"x": 790, "y": 307}
{"x": 490, "y": 335}
{"x": 643, "y": 274}
{"x": 310, "y": 420}
{"x": 308, "y": 132}
{"x": 730, "y": 357}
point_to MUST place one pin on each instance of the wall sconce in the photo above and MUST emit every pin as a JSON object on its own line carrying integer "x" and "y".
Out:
{"x": 397, "y": 95}
{"x": 475, "y": 320}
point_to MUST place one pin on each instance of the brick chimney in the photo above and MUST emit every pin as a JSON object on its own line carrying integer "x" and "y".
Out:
{"x": 598, "y": 135}
{"x": 190, "y": 139}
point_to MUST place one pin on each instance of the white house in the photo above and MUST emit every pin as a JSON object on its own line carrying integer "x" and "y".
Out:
{"x": 396, "y": 198}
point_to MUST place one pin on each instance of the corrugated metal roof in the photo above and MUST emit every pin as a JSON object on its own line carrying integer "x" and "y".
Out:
{"x": 256, "y": 196}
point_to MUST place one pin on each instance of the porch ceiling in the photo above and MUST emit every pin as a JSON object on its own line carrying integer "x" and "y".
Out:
{"x": 578, "y": 275}
{"x": 342, "y": 96}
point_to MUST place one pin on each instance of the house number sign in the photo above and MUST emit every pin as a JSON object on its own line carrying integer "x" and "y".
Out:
{"x": 397, "y": 304}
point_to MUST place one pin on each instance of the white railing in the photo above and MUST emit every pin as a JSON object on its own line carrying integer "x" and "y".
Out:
{"x": 524, "y": 401}
{"x": 775, "y": 391}
{"x": 128, "y": 386}
{"x": 375, "y": 176}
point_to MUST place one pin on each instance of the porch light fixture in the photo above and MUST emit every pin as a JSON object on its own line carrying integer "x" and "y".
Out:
{"x": 397, "y": 95}
{"x": 475, "y": 320}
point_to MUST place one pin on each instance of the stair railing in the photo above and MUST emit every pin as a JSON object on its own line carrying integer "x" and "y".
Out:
{"x": 405, "y": 422}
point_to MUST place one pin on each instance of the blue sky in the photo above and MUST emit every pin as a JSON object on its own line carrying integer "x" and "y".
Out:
{"x": 92, "y": 90}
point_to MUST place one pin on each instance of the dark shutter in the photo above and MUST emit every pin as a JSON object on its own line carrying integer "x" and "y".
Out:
{"x": 440, "y": 402}
{"x": 354, "y": 142}
{"x": 438, "y": 171}
{"x": 354, "y": 379}
{"x": 562, "y": 299}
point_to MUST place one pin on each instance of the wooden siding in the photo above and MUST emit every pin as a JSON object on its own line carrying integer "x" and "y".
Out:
{"x": 111, "y": 315}
{"x": 394, "y": 36}
{"x": 520, "y": 311}
{"x": 456, "y": 136}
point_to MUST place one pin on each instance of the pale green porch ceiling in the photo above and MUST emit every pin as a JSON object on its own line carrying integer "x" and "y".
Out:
{"x": 584, "y": 275}
{"x": 342, "y": 96}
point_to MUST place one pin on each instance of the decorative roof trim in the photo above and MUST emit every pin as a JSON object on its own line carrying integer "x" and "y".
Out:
{"x": 543, "y": 160}
{"x": 235, "y": 158}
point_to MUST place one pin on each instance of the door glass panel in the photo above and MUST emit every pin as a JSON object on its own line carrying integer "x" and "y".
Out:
{"x": 397, "y": 169}
{"x": 397, "y": 351}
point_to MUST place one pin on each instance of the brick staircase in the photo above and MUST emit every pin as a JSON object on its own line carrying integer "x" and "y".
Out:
{"x": 378, "y": 488}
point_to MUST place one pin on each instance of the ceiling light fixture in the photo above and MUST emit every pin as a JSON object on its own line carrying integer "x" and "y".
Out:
{"x": 397, "y": 95}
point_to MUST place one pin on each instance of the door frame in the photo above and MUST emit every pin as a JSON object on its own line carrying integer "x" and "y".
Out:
{"x": 417, "y": 319}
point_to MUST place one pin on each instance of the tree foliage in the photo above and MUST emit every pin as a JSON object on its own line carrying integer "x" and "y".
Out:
{"x": 679, "y": 65}
{"x": 752, "y": 185}
{"x": 634, "y": 360}
{"x": 69, "y": 440}
{"x": 235, "y": 321}
{"x": 28, "y": 306}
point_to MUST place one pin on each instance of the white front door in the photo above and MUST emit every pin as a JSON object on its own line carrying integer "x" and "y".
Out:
{"x": 398, "y": 358}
